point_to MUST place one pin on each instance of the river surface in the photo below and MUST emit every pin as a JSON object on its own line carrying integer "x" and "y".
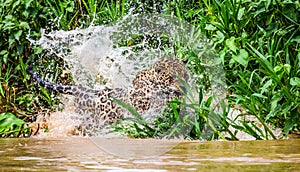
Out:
{"x": 102, "y": 154}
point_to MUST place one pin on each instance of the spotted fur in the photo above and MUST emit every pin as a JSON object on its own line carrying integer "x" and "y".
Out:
{"x": 151, "y": 88}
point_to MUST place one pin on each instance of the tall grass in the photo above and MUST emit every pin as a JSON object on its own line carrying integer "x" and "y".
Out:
{"x": 258, "y": 43}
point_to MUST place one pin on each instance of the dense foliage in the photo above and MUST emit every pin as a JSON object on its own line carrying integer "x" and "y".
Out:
{"x": 258, "y": 43}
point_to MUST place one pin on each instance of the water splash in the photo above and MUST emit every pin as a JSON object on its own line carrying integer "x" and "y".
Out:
{"x": 112, "y": 55}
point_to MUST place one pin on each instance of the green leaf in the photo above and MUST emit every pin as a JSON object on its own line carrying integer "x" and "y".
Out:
{"x": 69, "y": 9}
{"x": 291, "y": 13}
{"x": 286, "y": 108}
{"x": 24, "y": 25}
{"x": 231, "y": 44}
{"x": 274, "y": 105}
{"x": 20, "y": 49}
{"x": 16, "y": 3}
{"x": 37, "y": 50}
{"x": 241, "y": 13}
{"x": 25, "y": 14}
{"x": 27, "y": 3}
{"x": 210, "y": 27}
{"x": 242, "y": 57}
{"x": 264, "y": 88}
{"x": 8, "y": 17}
{"x": 259, "y": 95}
{"x": 10, "y": 124}
{"x": 279, "y": 71}
{"x": 289, "y": 124}
{"x": 287, "y": 68}
{"x": 11, "y": 39}
{"x": 295, "y": 81}
{"x": 4, "y": 54}
{"x": 5, "y": 57}
{"x": 18, "y": 34}
{"x": 296, "y": 39}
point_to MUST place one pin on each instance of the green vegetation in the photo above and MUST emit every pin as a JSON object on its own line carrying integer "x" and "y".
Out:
{"x": 257, "y": 41}
{"x": 20, "y": 20}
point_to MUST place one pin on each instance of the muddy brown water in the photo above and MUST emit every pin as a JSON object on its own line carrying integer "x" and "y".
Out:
{"x": 102, "y": 154}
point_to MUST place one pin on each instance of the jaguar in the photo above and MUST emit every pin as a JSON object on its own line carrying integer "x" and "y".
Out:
{"x": 152, "y": 88}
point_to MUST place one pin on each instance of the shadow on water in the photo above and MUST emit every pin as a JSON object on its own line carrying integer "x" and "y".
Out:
{"x": 81, "y": 154}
